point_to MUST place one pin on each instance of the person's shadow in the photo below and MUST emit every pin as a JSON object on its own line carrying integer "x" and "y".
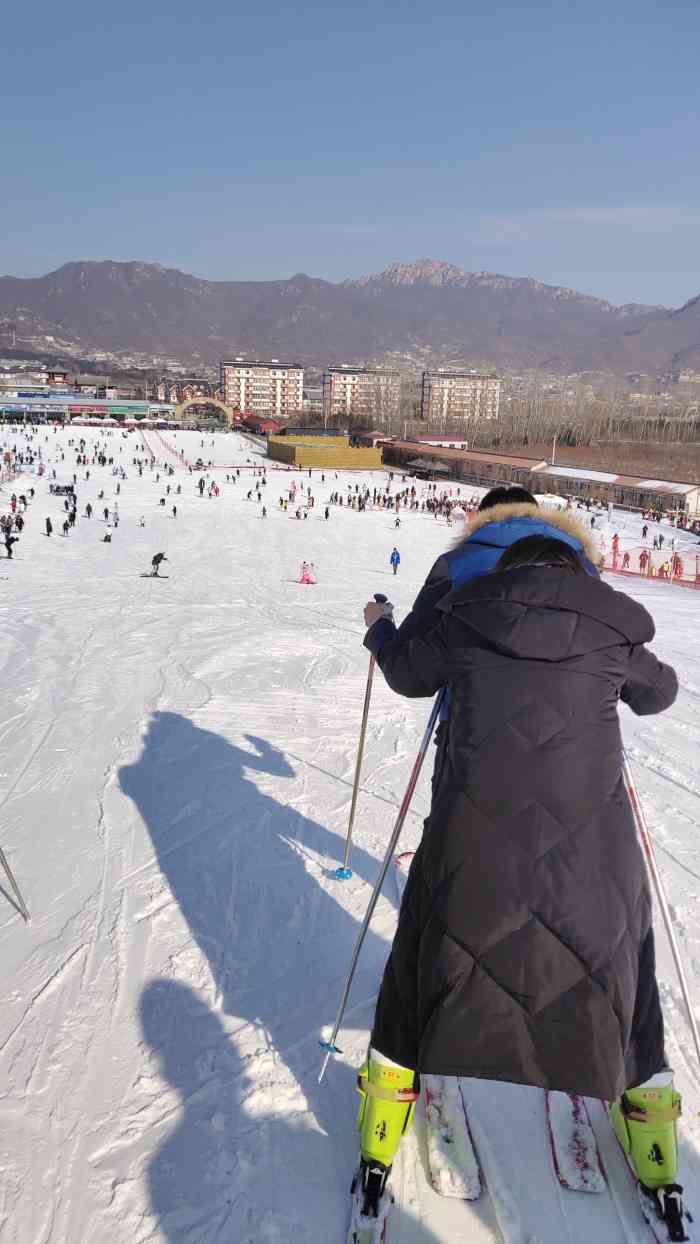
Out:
{"x": 250, "y": 875}
{"x": 244, "y": 1163}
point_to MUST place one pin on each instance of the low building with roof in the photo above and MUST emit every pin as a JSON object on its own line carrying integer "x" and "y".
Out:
{"x": 488, "y": 469}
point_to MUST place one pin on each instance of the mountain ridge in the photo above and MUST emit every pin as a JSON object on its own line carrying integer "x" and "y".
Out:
{"x": 428, "y": 312}
{"x": 438, "y": 272}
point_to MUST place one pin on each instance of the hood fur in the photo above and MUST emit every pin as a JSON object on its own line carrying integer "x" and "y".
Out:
{"x": 564, "y": 520}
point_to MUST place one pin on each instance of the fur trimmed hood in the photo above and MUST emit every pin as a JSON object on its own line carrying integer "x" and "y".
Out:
{"x": 563, "y": 520}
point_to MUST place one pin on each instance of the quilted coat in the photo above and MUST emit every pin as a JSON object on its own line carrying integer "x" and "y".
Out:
{"x": 524, "y": 950}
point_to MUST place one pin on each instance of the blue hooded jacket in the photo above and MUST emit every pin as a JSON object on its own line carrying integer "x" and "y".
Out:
{"x": 489, "y": 534}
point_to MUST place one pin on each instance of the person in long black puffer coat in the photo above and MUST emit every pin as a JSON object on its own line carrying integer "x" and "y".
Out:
{"x": 524, "y": 950}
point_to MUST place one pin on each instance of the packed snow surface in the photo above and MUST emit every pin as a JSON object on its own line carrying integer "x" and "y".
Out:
{"x": 176, "y": 774}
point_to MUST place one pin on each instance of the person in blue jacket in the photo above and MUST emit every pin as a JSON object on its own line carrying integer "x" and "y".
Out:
{"x": 395, "y": 559}
{"x": 506, "y": 514}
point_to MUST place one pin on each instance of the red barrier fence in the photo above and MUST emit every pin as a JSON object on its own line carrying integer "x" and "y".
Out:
{"x": 663, "y": 566}
{"x": 217, "y": 466}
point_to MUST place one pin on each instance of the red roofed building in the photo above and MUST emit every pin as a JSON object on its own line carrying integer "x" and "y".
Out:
{"x": 261, "y": 424}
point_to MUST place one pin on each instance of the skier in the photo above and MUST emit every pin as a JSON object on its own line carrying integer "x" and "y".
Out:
{"x": 9, "y": 541}
{"x": 49, "y": 526}
{"x": 503, "y": 966}
{"x": 155, "y": 563}
{"x": 395, "y": 559}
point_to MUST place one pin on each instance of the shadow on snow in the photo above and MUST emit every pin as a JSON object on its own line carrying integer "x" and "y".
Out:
{"x": 248, "y": 874}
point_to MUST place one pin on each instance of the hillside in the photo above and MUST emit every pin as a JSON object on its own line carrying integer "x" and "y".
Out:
{"x": 428, "y": 312}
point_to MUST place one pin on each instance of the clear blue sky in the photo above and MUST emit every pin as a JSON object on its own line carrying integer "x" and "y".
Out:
{"x": 548, "y": 138}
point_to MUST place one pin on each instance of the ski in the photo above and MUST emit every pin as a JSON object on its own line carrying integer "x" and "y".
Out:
{"x": 372, "y": 1202}
{"x": 453, "y": 1164}
{"x": 454, "y": 1167}
{"x": 577, "y": 1161}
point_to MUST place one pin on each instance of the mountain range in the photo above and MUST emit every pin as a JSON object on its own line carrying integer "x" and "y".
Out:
{"x": 423, "y": 313}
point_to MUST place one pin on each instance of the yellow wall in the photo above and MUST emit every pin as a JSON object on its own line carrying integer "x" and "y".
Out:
{"x": 279, "y": 448}
{"x": 332, "y": 457}
{"x": 337, "y": 441}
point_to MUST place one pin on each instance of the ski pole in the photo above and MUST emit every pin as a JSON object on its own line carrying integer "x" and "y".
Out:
{"x": 648, "y": 847}
{"x": 330, "y": 1046}
{"x": 344, "y": 871}
{"x": 10, "y": 876}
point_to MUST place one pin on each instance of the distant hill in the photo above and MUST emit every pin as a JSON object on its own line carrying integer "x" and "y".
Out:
{"x": 426, "y": 312}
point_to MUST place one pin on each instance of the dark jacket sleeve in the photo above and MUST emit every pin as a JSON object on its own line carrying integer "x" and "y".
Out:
{"x": 650, "y": 686}
{"x": 437, "y": 585}
{"x": 415, "y": 665}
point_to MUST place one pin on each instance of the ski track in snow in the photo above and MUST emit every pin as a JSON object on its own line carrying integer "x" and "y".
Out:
{"x": 175, "y": 780}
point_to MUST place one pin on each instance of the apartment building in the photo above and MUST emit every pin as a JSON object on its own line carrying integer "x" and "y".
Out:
{"x": 371, "y": 396}
{"x": 263, "y": 388}
{"x": 459, "y": 396}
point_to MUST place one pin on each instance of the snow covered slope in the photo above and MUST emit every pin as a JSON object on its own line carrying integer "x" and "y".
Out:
{"x": 177, "y": 762}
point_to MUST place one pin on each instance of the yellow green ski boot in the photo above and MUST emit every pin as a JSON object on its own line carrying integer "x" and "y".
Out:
{"x": 388, "y": 1098}
{"x": 644, "y": 1119}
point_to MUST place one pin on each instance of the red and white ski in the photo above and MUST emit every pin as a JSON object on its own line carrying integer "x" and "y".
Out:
{"x": 454, "y": 1167}
{"x": 453, "y": 1164}
{"x": 577, "y": 1161}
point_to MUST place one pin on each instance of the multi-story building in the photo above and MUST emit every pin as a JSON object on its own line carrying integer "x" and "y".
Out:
{"x": 370, "y": 395}
{"x": 313, "y": 401}
{"x": 272, "y": 388}
{"x": 459, "y": 396}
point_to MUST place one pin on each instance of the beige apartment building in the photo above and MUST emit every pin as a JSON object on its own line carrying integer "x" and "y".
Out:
{"x": 459, "y": 396}
{"x": 262, "y": 388}
{"x": 368, "y": 394}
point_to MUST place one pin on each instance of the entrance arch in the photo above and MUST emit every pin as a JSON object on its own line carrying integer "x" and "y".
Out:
{"x": 180, "y": 411}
